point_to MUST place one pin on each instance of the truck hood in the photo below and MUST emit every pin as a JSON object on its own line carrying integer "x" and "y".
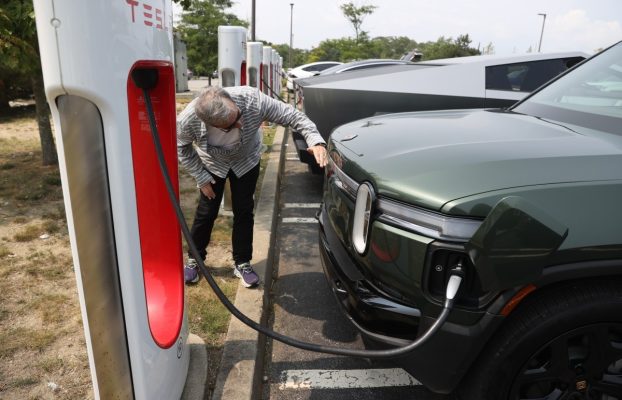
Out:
{"x": 431, "y": 158}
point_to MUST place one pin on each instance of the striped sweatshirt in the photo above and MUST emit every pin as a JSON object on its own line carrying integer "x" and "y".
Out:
{"x": 201, "y": 159}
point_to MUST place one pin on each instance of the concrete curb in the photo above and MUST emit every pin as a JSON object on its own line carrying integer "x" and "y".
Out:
{"x": 242, "y": 357}
{"x": 197, "y": 369}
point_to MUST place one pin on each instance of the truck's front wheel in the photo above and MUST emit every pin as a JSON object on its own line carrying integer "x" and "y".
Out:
{"x": 561, "y": 344}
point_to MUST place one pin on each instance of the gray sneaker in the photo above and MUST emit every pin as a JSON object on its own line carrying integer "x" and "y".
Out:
{"x": 245, "y": 272}
{"x": 191, "y": 271}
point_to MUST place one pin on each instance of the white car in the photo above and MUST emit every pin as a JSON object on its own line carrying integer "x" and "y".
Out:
{"x": 306, "y": 70}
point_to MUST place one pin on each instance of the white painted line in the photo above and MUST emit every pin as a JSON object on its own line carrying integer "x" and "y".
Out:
{"x": 298, "y": 220}
{"x": 292, "y": 159}
{"x": 292, "y": 153}
{"x": 301, "y": 205}
{"x": 345, "y": 379}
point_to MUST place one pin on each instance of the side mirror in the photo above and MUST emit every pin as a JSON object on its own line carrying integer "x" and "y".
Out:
{"x": 514, "y": 244}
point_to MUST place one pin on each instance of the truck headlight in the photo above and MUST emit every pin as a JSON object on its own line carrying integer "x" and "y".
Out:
{"x": 365, "y": 199}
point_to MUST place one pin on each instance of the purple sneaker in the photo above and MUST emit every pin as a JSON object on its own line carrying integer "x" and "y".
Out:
{"x": 191, "y": 271}
{"x": 245, "y": 272}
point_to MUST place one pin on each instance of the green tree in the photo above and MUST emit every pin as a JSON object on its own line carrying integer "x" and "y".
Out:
{"x": 448, "y": 48}
{"x": 392, "y": 46}
{"x": 19, "y": 57}
{"x": 299, "y": 56}
{"x": 356, "y": 15}
{"x": 489, "y": 49}
{"x": 199, "y": 30}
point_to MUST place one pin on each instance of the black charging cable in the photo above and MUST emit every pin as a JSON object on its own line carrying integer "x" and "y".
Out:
{"x": 272, "y": 91}
{"x": 147, "y": 79}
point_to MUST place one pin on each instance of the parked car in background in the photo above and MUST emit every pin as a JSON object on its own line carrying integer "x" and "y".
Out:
{"x": 462, "y": 82}
{"x": 455, "y": 83}
{"x": 361, "y": 64}
{"x": 189, "y": 74}
{"x": 523, "y": 203}
{"x": 306, "y": 70}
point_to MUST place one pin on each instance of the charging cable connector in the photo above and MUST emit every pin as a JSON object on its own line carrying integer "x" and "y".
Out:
{"x": 456, "y": 275}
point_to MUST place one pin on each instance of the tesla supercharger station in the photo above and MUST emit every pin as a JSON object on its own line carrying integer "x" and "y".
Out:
{"x": 280, "y": 74}
{"x": 266, "y": 68}
{"x": 274, "y": 79}
{"x": 232, "y": 55}
{"x": 253, "y": 63}
{"x": 125, "y": 239}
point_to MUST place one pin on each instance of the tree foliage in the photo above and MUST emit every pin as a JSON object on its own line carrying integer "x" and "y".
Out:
{"x": 199, "y": 30}
{"x": 299, "y": 56}
{"x": 356, "y": 15}
{"x": 347, "y": 49}
{"x": 20, "y": 62}
{"x": 448, "y": 48}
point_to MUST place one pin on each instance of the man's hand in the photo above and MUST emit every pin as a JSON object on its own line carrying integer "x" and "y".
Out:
{"x": 320, "y": 154}
{"x": 208, "y": 191}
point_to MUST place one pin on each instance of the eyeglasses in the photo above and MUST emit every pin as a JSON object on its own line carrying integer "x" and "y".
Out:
{"x": 230, "y": 127}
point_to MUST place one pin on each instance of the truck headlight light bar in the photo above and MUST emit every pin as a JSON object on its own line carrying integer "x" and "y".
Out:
{"x": 365, "y": 200}
{"x": 427, "y": 223}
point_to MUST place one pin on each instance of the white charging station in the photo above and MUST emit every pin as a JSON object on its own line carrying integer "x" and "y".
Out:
{"x": 125, "y": 239}
{"x": 254, "y": 54}
{"x": 266, "y": 70}
{"x": 275, "y": 77}
{"x": 280, "y": 74}
{"x": 232, "y": 55}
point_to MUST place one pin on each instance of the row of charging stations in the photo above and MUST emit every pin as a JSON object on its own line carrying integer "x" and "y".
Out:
{"x": 247, "y": 63}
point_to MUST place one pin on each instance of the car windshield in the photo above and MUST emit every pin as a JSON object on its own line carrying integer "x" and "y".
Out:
{"x": 590, "y": 96}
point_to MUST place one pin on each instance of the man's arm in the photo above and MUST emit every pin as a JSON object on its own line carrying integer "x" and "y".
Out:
{"x": 284, "y": 114}
{"x": 188, "y": 157}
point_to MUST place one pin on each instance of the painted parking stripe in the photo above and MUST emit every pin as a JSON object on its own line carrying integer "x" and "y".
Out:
{"x": 345, "y": 379}
{"x": 292, "y": 159}
{"x": 298, "y": 220}
{"x": 301, "y": 205}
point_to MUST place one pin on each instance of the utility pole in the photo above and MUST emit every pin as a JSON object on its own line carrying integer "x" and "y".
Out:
{"x": 291, "y": 34}
{"x": 253, "y": 21}
{"x": 541, "y": 32}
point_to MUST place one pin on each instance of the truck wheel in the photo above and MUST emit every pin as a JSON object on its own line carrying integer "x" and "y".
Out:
{"x": 562, "y": 344}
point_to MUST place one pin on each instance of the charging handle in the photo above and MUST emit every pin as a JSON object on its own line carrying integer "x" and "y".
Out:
{"x": 145, "y": 78}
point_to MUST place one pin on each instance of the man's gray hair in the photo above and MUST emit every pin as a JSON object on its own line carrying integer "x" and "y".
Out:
{"x": 213, "y": 106}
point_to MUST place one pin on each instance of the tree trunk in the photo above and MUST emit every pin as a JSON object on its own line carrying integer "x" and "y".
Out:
{"x": 48, "y": 148}
{"x": 4, "y": 100}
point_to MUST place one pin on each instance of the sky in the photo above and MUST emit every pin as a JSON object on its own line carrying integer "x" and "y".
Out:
{"x": 513, "y": 27}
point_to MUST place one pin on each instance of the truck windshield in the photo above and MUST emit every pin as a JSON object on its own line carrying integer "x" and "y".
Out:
{"x": 588, "y": 96}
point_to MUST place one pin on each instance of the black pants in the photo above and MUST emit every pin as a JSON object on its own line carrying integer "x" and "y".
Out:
{"x": 242, "y": 191}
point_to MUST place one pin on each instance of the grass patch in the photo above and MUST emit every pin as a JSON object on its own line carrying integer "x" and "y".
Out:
{"x": 51, "y": 364}
{"x": 4, "y": 314}
{"x": 23, "y": 382}
{"x": 28, "y": 233}
{"x": 16, "y": 339}
{"x": 50, "y": 306}
{"x": 51, "y": 226}
{"x": 4, "y": 251}
{"x": 223, "y": 228}
{"x": 23, "y": 178}
{"x": 207, "y": 317}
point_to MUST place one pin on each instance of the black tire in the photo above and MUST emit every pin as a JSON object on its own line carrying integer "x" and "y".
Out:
{"x": 554, "y": 344}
